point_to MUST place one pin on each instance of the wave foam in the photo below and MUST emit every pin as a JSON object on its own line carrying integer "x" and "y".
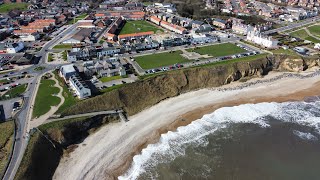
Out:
{"x": 172, "y": 144}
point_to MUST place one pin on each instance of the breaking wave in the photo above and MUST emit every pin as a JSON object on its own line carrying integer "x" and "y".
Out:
{"x": 173, "y": 144}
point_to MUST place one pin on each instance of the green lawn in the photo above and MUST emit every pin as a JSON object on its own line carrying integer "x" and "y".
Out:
{"x": 69, "y": 100}
{"x": 6, "y": 141}
{"x": 315, "y": 30}
{"x": 63, "y": 46}
{"x": 159, "y": 60}
{"x": 218, "y": 50}
{"x": 50, "y": 57}
{"x": 138, "y": 26}
{"x": 45, "y": 97}
{"x": 4, "y": 8}
{"x": 107, "y": 79}
{"x": 302, "y": 34}
{"x": 16, "y": 91}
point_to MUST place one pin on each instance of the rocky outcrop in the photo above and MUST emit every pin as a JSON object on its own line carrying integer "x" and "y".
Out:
{"x": 293, "y": 65}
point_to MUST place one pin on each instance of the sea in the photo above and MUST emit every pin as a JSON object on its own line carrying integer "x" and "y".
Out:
{"x": 251, "y": 141}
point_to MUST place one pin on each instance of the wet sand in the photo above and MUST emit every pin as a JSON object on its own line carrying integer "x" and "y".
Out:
{"x": 108, "y": 153}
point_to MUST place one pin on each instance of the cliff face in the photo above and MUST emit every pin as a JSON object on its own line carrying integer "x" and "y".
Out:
{"x": 45, "y": 150}
{"x": 137, "y": 96}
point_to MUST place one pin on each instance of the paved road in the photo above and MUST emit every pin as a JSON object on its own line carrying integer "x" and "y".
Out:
{"x": 294, "y": 25}
{"x": 23, "y": 117}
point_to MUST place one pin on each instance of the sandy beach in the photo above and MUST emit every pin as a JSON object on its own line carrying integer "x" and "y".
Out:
{"x": 108, "y": 153}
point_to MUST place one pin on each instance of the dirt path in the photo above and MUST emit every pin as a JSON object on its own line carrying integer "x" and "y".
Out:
{"x": 38, "y": 121}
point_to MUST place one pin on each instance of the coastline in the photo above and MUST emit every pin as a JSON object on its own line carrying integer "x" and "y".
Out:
{"x": 108, "y": 153}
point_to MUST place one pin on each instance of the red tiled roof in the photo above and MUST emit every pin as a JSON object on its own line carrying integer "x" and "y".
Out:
{"x": 136, "y": 34}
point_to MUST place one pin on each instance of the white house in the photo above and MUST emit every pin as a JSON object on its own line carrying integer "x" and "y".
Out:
{"x": 240, "y": 28}
{"x": 30, "y": 37}
{"x": 79, "y": 87}
{"x": 266, "y": 41}
{"x": 11, "y": 48}
{"x": 67, "y": 71}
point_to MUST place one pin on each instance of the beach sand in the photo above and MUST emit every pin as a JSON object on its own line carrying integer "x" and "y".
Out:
{"x": 108, "y": 153}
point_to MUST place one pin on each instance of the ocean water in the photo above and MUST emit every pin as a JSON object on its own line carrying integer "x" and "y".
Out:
{"x": 250, "y": 141}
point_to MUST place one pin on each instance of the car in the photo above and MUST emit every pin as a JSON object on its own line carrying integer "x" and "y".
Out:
{"x": 5, "y": 75}
{"x": 24, "y": 72}
{"x": 11, "y": 73}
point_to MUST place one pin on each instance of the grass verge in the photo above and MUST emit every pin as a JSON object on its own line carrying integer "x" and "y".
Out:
{"x": 50, "y": 57}
{"x": 6, "y": 142}
{"x": 16, "y": 91}
{"x": 107, "y": 79}
{"x": 63, "y": 46}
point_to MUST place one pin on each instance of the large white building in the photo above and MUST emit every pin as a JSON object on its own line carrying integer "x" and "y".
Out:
{"x": 67, "y": 71}
{"x": 266, "y": 41}
{"x": 79, "y": 87}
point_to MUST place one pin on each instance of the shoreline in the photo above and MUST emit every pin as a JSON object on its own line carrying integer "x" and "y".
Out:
{"x": 130, "y": 138}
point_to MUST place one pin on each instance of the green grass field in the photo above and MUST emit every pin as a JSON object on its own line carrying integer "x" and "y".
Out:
{"x": 69, "y": 100}
{"x": 315, "y": 30}
{"x": 6, "y": 141}
{"x": 159, "y": 60}
{"x": 45, "y": 97}
{"x": 218, "y": 50}
{"x": 63, "y": 46}
{"x": 138, "y": 26}
{"x": 302, "y": 34}
{"x": 16, "y": 91}
{"x": 4, "y": 8}
{"x": 284, "y": 51}
{"x": 107, "y": 79}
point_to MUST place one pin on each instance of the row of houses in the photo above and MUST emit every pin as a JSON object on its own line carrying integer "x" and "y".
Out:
{"x": 87, "y": 53}
{"x": 127, "y": 15}
{"x": 167, "y": 25}
{"x": 104, "y": 68}
{"x": 71, "y": 77}
{"x": 11, "y": 48}
{"x": 39, "y": 25}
